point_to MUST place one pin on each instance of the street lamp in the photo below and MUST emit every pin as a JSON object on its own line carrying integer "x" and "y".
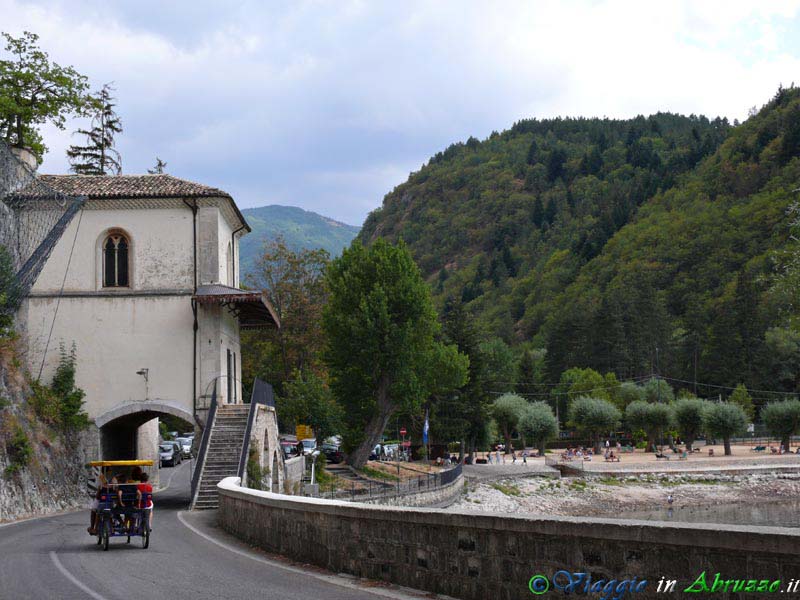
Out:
{"x": 146, "y": 374}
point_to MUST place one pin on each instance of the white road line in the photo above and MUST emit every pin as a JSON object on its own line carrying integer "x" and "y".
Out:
{"x": 90, "y": 592}
{"x": 331, "y": 579}
{"x": 169, "y": 481}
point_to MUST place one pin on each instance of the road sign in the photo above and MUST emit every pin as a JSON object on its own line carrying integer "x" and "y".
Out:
{"x": 304, "y": 432}
{"x": 403, "y": 431}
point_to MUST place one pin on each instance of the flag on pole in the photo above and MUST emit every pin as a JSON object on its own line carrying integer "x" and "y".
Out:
{"x": 425, "y": 429}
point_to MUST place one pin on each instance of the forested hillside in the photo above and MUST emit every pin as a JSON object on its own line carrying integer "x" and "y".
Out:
{"x": 300, "y": 229}
{"x": 652, "y": 244}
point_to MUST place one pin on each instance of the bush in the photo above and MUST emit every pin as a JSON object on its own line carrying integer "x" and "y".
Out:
{"x": 19, "y": 451}
{"x": 255, "y": 474}
{"x": 6, "y": 293}
{"x": 60, "y": 403}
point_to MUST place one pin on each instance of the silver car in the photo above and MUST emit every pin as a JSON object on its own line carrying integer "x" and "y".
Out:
{"x": 167, "y": 454}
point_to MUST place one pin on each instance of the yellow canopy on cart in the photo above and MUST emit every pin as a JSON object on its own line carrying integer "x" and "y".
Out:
{"x": 121, "y": 463}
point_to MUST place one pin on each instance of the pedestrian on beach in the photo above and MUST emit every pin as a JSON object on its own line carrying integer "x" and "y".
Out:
{"x": 608, "y": 444}
{"x": 525, "y": 456}
{"x": 497, "y": 455}
{"x": 489, "y": 456}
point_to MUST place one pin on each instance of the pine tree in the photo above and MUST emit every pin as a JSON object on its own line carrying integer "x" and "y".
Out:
{"x": 98, "y": 156}
{"x": 159, "y": 168}
{"x": 532, "y": 151}
{"x": 538, "y": 212}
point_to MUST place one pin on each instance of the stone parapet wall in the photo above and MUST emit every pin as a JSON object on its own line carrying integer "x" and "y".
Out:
{"x": 294, "y": 469}
{"x": 475, "y": 556}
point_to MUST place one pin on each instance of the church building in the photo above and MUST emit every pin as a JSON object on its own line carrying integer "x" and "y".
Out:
{"x": 144, "y": 283}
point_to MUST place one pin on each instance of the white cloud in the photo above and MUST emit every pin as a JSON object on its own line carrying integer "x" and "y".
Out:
{"x": 329, "y": 105}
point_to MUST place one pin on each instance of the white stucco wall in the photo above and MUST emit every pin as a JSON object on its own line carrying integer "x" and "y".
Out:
{"x": 114, "y": 338}
{"x": 161, "y": 243}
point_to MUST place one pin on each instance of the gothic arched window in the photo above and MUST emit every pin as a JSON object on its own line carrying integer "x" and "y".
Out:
{"x": 115, "y": 261}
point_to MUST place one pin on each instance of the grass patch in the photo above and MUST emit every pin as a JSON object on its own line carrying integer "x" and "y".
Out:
{"x": 579, "y": 485}
{"x": 609, "y": 481}
{"x": 377, "y": 474}
{"x": 507, "y": 489}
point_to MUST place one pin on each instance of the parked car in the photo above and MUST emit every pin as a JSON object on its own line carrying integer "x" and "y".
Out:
{"x": 186, "y": 447}
{"x": 167, "y": 454}
{"x": 178, "y": 450}
{"x": 332, "y": 453}
{"x": 309, "y": 445}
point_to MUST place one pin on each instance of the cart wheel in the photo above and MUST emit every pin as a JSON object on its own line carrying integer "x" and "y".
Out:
{"x": 145, "y": 537}
{"x": 99, "y": 526}
{"x": 106, "y": 534}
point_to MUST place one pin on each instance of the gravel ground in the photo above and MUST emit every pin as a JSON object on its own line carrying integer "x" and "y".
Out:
{"x": 609, "y": 496}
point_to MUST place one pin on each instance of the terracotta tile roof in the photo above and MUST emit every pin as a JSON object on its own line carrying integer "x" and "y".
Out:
{"x": 107, "y": 187}
{"x": 129, "y": 186}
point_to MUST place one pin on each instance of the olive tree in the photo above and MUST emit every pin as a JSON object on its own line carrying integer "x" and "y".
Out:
{"x": 653, "y": 418}
{"x": 690, "y": 417}
{"x": 593, "y": 417}
{"x": 725, "y": 420}
{"x": 507, "y": 411}
{"x": 538, "y": 425}
{"x": 782, "y": 419}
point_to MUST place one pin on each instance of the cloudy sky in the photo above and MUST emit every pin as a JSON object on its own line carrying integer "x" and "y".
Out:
{"x": 329, "y": 105}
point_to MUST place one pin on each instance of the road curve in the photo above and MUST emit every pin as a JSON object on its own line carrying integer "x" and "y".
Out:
{"x": 54, "y": 558}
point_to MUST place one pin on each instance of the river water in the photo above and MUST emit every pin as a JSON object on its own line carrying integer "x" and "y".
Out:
{"x": 773, "y": 513}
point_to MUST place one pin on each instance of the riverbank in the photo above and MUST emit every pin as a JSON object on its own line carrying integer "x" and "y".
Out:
{"x": 607, "y": 496}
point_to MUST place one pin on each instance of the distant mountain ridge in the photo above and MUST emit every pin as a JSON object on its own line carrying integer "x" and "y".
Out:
{"x": 301, "y": 229}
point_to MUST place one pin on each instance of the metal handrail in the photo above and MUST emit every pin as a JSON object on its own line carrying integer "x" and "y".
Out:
{"x": 428, "y": 481}
{"x": 262, "y": 394}
{"x": 201, "y": 452}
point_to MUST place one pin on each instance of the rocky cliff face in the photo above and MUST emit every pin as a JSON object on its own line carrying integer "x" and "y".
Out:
{"x": 41, "y": 468}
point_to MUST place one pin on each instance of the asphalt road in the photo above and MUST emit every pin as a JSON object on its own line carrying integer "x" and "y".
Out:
{"x": 189, "y": 558}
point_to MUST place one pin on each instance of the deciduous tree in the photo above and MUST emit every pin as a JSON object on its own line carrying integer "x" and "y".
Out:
{"x": 507, "y": 411}
{"x": 34, "y": 91}
{"x": 538, "y": 425}
{"x": 782, "y": 419}
{"x": 690, "y": 418}
{"x": 381, "y": 333}
{"x": 725, "y": 420}
{"x": 594, "y": 417}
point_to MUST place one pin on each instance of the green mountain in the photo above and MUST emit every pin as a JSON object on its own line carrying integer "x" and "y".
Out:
{"x": 633, "y": 246}
{"x": 301, "y": 229}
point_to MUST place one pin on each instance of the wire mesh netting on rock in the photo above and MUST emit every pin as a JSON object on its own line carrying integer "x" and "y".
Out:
{"x": 33, "y": 216}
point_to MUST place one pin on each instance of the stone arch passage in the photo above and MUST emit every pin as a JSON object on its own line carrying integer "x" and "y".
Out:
{"x": 120, "y": 435}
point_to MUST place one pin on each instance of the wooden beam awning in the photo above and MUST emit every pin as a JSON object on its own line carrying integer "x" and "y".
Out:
{"x": 251, "y": 307}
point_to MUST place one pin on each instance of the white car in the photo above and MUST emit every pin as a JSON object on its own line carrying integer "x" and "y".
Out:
{"x": 186, "y": 447}
{"x": 309, "y": 445}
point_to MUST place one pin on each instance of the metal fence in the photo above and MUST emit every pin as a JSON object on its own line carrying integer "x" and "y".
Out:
{"x": 359, "y": 491}
{"x": 33, "y": 216}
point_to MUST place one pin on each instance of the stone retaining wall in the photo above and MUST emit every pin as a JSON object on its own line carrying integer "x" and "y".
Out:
{"x": 439, "y": 496}
{"x": 475, "y": 556}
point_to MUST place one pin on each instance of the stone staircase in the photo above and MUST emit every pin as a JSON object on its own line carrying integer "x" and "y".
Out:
{"x": 224, "y": 450}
